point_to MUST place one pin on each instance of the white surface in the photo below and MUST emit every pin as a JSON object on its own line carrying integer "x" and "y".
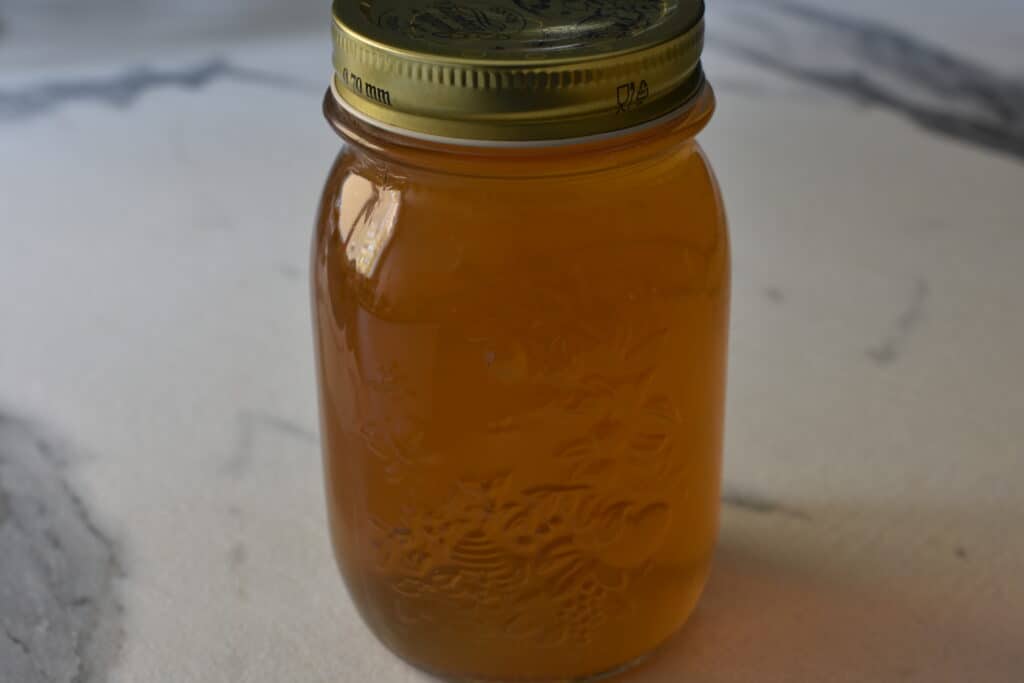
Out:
{"x": 154, "y": 310}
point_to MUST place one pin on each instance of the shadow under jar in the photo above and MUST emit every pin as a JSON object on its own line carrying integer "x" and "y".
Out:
{"x": 520, "y": 280}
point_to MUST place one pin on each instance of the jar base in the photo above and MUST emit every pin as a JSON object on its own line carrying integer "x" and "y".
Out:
{"x": 605, "y": 675}
{"x": 607, "y": 671}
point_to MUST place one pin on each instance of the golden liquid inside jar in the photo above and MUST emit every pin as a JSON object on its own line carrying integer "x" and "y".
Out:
{"x": 521, "y": 358}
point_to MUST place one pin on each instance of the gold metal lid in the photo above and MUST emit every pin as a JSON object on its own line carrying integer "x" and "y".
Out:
{"x": 511, "y": 70}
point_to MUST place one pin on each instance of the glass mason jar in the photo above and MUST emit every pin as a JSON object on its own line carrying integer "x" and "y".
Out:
{"x": 520, "y": 280}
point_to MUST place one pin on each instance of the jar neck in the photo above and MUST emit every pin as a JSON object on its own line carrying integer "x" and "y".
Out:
{"x": 615, "y": 150}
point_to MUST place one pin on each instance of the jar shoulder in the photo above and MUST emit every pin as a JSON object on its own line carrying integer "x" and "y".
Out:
{"x": 676, "y": 189}
{"x": 414, "y": 242}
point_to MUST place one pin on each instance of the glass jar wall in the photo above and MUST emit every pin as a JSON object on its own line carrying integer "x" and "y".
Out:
{"x": 521, "y": 360}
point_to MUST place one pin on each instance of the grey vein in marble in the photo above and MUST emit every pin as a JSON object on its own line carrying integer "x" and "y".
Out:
{"x": 122, "y": 90}
{"x": 249, "y": 424}
{"x": 889, "y": 349}
{"x": 880, "y": 66}
{"x": 59, "y": 614}
{"x": 774, "y": 294}
{"x": 753, "y": 502}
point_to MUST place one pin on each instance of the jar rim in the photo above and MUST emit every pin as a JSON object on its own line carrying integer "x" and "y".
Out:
{"x": 682, "y": 108}
{"x": 585, "y": 155}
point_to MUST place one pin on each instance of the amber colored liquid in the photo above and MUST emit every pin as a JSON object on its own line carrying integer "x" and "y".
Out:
{"x": 521, "y": 357}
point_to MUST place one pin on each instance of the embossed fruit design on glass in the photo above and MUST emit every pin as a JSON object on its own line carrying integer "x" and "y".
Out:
{"x": 520, "y": 280}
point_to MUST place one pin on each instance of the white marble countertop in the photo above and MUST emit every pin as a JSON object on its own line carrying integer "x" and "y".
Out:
{"x": 161, "y": 513}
